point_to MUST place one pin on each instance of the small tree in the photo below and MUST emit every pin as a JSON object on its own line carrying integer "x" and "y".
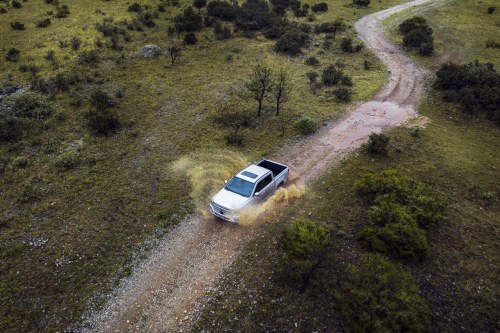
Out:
{"x": 260, "y": 84}
{"x": 303, "y": 244}
{"x": 361, "y": 3}
{"x": 282, "y": 88}
{"x": 175, "y": 53}
{"x": 101, "y": 118}
{"x": 199, "y": 4}
{"x": 13, "y": 55}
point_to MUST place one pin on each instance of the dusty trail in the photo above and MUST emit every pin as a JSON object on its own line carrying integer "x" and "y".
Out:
{"x": 161, "y": 295}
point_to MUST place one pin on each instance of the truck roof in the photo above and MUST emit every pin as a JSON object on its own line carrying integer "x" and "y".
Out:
{"x": 252, "y": 173}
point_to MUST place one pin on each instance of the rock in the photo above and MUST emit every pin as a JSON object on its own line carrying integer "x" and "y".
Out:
{"x": 151, "y": 51}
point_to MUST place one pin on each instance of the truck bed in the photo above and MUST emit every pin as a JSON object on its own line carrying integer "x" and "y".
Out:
{"x": 275, "y": 168}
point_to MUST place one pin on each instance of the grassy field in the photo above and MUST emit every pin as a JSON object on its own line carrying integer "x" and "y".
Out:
{"x": 68, "y": 236}
{"x": 455, "y": 154}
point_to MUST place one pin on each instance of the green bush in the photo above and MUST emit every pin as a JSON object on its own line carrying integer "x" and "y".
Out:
{"x": 16, "y": 4}
{"x": 29, "y": 105}
{"x": 235, "y": 138}
{"x": 312, "y": 61}
{"x": 190, "y": 38}
{"x": 378, "y": 144}
{"x": 305, "y": 125}
{"x": 43, "y": 23}
{"x": 303, "y": 244}
{"x": 20, "y": 162}
{"x": 62, "y": 11}
{"x": 405, "y": 241}
{"x": 67, "y": 160}
{"x": 378, "y": 296}
{"x": 417, "y": 34}
{"x": 17, "y": 25}
{"x": 320, "y": 7}
{"x": 361, "y": 3}
{"x": 13, "y": 55}
{"x": 292, "y": 41}
{"x": 332, "y": 76}
{"x": 343, "y": 94}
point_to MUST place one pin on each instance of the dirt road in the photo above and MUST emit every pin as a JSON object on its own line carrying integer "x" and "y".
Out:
{"x": 161, "y": 295}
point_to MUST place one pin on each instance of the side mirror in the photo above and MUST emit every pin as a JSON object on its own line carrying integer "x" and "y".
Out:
{"x": 225, "y": 182}
{"x": 256, "y": 194}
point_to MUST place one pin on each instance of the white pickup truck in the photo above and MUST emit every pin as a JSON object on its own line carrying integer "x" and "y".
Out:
{"x": 248, "y": 187}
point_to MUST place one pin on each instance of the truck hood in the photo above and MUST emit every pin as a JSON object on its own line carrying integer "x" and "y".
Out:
{"x": 229, "y": 199}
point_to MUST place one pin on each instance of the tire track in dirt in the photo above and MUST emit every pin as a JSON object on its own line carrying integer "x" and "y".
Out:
{"x": 162, "y": 293}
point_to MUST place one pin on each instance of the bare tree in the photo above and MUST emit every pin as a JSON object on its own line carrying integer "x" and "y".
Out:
{"x": 260, "y": 84}
{"x": 175, "y": 52}
{"x": 282, "y": 88}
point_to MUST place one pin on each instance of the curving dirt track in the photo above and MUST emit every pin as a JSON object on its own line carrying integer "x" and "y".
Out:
{"x": 162, "y": 294}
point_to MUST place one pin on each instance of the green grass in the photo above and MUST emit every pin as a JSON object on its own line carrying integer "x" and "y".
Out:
{"x": 68, "y": 236}
{"x": 454, "y": 154}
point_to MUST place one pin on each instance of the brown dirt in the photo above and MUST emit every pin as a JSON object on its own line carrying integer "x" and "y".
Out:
{"x": 162, "y": 293}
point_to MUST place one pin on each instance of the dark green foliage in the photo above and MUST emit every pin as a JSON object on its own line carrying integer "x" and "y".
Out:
{"x": 361, "y": 3}
{"x": 292, "y": 41}
{"x": 491, "y": 10}
{"x": 75, "y": 43}
{"x": 475, "y": 86}
{"x": 235, "y": 138}
{"x": 102, "y": 119}
{"x": 417, "y": 34}
{"x": 378, "y": 144}
{"x": 43, "y": 23}
{"x": 29, "y": 105}
{"x": 100, "y": 100}
{"x": 3, "y": 10}
{"x": 135, "y": 7}
{"x": 16, "y": 4}
{"x": 190, "y": 38}
{"x": 222, "y": 10}
{"x": 67, "y": 160}
{"x": 378, "y": 296}
{"x": 301, "y": 11}
{"x": 33, "y": 69}
{"x": 312, "y": 61}
{"x": 188, "y": 21}
{"x": 305, "y": 125}
{"x": 222, "y": 32}
{"x": 88, "y": 57}
{"x": 400, "y": 209}
{"x": 254, "y": 15}
{"x": 303, "y": 244}
{"x": 332, "y": 76}
{"x": 62, "y": 11}
{"x": 13, "y": 55}
{"x": 367, "y": 65}
{"x": 199, "y": 4}
{"x": 346, "y": 45}
{"x": 320, "y": 7}
{"x": 147, "y": 19}
{"x": 17, "y": 25}
{"x": 331, "y": 27}
{"x": 343, "y": 94}
{"x": 50, "y": 56}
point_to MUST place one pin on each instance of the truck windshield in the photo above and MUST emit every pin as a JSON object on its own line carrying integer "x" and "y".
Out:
{"x": 240, "y": 186}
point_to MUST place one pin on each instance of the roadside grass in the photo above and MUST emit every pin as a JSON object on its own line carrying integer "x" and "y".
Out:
{"x": 68, "y": 236}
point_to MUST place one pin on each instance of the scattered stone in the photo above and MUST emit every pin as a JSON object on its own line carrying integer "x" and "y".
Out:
{"x": 151, "y": 51}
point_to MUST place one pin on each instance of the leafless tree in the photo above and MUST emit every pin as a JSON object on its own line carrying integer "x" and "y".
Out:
{"x": 175, "y": 52}
{"x": 260, "y": 84}
{"x": 282, "y": 88}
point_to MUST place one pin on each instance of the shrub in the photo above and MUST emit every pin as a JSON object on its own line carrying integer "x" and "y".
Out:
{"x": 20, "y": 162}
{"x": 16, "y": 4}
{"x": 405, "y": 241}
{"x": 346, "y": 45}
{"x": 254, "y": 15}
{"x": 222, "y": 10}
{"x": 147, "y": 19}
{"x": 343, "y": 94}
{"x": 491, "y": 10}
{"x": 13, "y": 55}
{"x": 67, "y": 160}
{"x": 75, "y": 43}
{"x": 11, "y": 128}
{"x": 303, "y": 245}
{"x": 190, "y": 38}
{"x": 62, "y": 11}
{"x": 417, "y": 34}
{"x": 17, "y": 25}
{"x": 29, "y": 105}
{"x": 413, "y": 23}
{"x": 222, "y": 32}
{"x": 135, "y": 7}
{"x": 305, "y": 125}
{"x": 44, "y": 23}
{"x": 378, "y": 296}
{"x": 367, "y": 65}
{"x": 199, "y": 4}
{"x": 331, "y": 76}
{"x": 50, "y": 56}
{"x": 361, "y": 3}
{"x": 88, "y": 57}
{"x": 292, "y": 41}
{"x": 320, "y": 7}
{"x": 188, "y": 21}
{"x": 417, "y": 37}
{"x": 475, "y": 86}
{"x": 235, "y": 138}
{"x": 312, "y": 61}
{"x": 331, "y": 27}
{"x": 3, "y": 10}
{"x": 378, "y": 144}
{"x": 102, "y": 121}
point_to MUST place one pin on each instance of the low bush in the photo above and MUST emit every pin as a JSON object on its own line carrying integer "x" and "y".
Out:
{"x": 13, "y": 55}
{"x": 331, "y": 27}
{"x": 361, "y": 3}
{"x": 62, "y": 11}
{"x": 16, "y": 4}
{"x": 378, "y": 144}
{"x": 474, "y": 86}
{"x": 320, "y": 7}
{"x": 491, "y": 10}
{"x": 332, "y": 76}
{"x": 190, "y": 38}
{"x": 417, "y": 34}
{"x": 305, "y": 125}
{"x": 44, "y": 23}
{"x": 76, "y": 42}
{"x": 292, "y": 41}
{"x": 222, "y": 32}
{"x": 222, "y": 10}
{"x": 312, "y": 61}
{"x": 378, "y": 296}
{"x": 135, "y": 7}
{"x": 17, "y": 25}
{"x": 20, "y": 162}
{"x": 67, "y": 160}
{"x": 88, "y": 57}
{"x": 303, "y": 245}
{"x": 101, "y": 118}
{"x": 235, "y": 138}
{"x": 147, "y": 19}
{"x": 3, "y": 10}
{"x": 343, "y": 94}
{"x": 29, "y": 105}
